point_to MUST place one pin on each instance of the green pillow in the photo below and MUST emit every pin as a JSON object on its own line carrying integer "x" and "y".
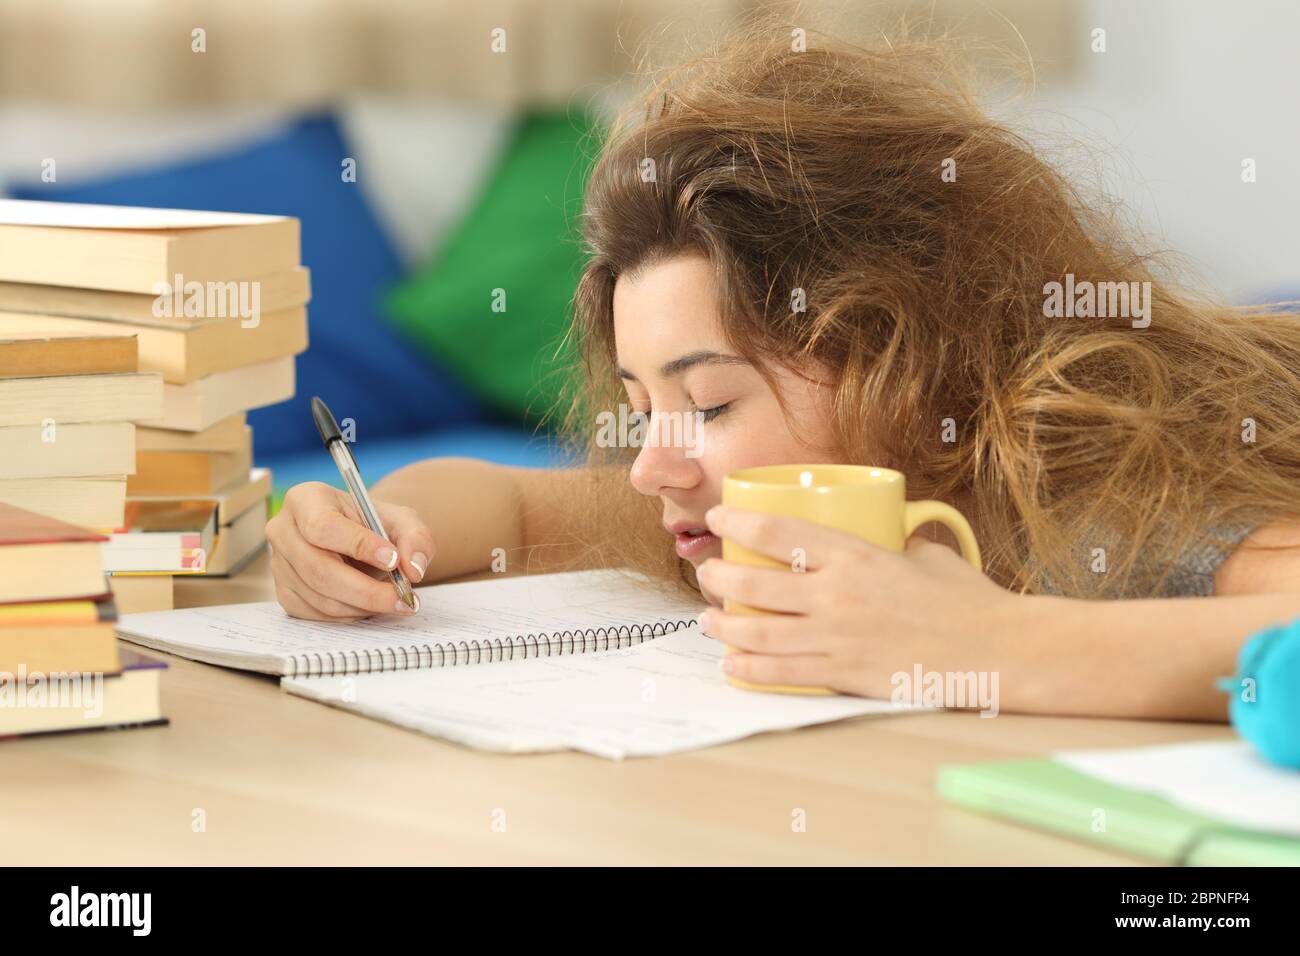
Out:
{"x": 520, "y": 237}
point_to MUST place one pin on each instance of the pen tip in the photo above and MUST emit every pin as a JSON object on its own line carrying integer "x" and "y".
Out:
{"x": 409, "y": 600}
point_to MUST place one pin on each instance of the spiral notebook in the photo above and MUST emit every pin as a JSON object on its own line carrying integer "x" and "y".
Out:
{"x": 477, "y": 622}
{"x": 602, "y": 662}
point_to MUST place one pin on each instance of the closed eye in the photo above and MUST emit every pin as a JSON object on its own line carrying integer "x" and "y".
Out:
{"x": 706, "y": 414}
{"x": 709, "y": 414}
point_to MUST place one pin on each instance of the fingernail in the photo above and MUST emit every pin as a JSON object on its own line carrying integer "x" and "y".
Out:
{"x": 712, "y": 514}
{"x": 387, "y": 558}
{"x": 727, "y": 666}
{"x": 420, "y": 563}
{"x": 703, "y": 620}
{"x": 403, "y": 608}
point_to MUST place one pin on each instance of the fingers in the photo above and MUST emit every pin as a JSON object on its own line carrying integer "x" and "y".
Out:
{"x": 777, "y": 634}
{"x": 411, "y": 537}
{"x": 769, "y": 589}
{"x": 330, "y": 576}
{"x": 309, "y": 539}
{"x": 784, "y": 539}
{"x": 329, "y": 529}
{"x": 323, "y": 578}
{"x": 805, "y": 670}
{"x": 301, "y": 601}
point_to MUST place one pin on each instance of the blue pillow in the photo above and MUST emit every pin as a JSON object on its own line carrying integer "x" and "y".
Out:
{"x": 356, "y": 362}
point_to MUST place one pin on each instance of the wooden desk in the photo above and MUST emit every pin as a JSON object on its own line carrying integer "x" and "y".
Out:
{"x": 284, "y": 780}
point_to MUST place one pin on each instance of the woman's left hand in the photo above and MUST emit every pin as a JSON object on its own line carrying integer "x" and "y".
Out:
{"x": 850, "y": 614}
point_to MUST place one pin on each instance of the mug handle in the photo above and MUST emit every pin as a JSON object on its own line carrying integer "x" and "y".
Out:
{"x": 917, "y": 513}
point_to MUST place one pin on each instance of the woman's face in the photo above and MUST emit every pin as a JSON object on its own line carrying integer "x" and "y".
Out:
{"x": 674, "y": 361}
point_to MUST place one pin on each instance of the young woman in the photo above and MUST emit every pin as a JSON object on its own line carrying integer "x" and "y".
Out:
{"x": 835, "y": 256}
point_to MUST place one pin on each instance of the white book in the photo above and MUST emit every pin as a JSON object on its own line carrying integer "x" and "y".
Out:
{"x": 67, "y": 451}
{"x": 112, "y": 397}
{"x": 599, "y": 661}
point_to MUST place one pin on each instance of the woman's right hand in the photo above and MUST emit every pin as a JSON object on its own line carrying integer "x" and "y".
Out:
{"x": 329, "y": 566}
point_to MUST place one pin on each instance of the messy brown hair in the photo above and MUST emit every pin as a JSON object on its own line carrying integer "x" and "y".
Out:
{"x": 822, "y": 170}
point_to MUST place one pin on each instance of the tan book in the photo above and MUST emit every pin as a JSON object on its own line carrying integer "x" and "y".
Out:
{"x": 184, "y": 355}
{"x": 233, "y": 500}
{"x": 131, "y": 249}
{"x": 42, "y": 349}
{"x": 135, "y": 593}
{"x": 70, "y": 649}
{"x": 202, "y": 404}
{"x": 42, "y": 558}
{"x": 121, "y": 397}
{"x": 275, "y": 293}
{"x": 59, "y": 637}
{"x": 97, "y": 502}
{"x": 189, "y": 473}
{"x": 66, "y": 451}
{"x": 240, "y": 541}
{"x": 225, "y": 435}
{"x": 131, "y": 699}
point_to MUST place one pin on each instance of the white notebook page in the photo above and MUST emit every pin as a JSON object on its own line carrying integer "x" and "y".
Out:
{"x": 471, "y": 615}
{"x": 661, "y": 697}
{"x": 1228, "y": 779}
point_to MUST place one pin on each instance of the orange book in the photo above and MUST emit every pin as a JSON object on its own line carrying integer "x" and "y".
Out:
{"x": 175, "y": 473}
{"x": 26, "y": 652}
{"x": 34, "y": 355}
{"x": 58, "y": 637}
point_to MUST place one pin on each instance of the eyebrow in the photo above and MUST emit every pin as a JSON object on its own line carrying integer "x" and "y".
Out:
{"x": 680, "y": 364}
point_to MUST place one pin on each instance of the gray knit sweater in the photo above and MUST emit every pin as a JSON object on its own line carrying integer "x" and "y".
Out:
{"x": 1193, "y": 574}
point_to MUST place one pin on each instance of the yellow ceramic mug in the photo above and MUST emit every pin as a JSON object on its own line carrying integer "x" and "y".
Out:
{"x": 869, "y": 502}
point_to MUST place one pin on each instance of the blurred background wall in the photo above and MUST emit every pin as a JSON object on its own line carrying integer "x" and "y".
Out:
{"x": 470, "y": 145}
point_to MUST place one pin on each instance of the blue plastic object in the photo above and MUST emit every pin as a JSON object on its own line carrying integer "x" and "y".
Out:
{"x": 502, "y": 444}
{"x": 1265, "y": 703}
{"x": 367, "y": 371}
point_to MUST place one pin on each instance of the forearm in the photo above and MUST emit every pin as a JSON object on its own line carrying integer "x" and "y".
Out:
{"x": 1156, "y": 658}
{"x": 472, "y": 507}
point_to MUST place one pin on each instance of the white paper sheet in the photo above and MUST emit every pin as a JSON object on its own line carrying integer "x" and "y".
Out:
{"x": 68, "y": 215}
{"x": 1227, "y": 780}
{"x": 661, "y": 697}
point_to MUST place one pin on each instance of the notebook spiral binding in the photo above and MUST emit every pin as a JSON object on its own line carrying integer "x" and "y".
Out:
{"x": 452, "y": 653}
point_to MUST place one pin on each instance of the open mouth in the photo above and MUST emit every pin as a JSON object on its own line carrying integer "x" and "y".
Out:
{"x": 694, "y": 541}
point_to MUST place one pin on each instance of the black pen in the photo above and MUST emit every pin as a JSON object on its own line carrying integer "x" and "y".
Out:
{"x": 347, "y": 465}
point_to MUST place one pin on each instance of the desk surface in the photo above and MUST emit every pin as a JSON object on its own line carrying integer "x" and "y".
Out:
{"x": 280, "y": 779}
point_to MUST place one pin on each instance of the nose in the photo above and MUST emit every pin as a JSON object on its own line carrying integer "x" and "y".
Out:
{"x": 662, "y": 465}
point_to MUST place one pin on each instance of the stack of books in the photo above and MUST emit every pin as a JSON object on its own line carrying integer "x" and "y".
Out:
{"x": 61, "y": 668}
{"x": 216, "y": 303}
{"x": 67, "y": 442}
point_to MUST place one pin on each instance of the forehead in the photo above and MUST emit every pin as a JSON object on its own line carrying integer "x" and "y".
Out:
{"x": 669, "y": 306}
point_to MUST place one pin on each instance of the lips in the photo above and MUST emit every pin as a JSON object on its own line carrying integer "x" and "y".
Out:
{"x": 685, "y": 526}
{"x": 693, "y": 538}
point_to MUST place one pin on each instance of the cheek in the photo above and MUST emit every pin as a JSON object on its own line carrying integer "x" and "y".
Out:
{"x": 766, "y": 442}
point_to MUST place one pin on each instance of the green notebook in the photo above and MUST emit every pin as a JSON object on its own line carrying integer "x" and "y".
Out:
{"x": 1051, "y": 796}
